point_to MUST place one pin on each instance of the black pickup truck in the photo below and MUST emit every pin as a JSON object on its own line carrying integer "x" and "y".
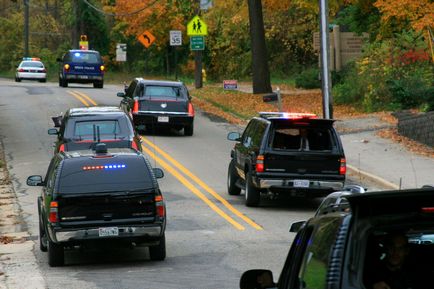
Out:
{"x": 100, "y": 196}
{"x": 286, "y": 153}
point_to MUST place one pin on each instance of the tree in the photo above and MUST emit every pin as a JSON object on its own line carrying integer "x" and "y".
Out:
{"x": 260, "y": 70}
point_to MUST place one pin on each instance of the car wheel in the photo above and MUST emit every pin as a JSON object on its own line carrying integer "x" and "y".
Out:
{"x": 43, "y": 80}
{"x": 158, "y": 252}
{"x": 188, "y": 129}
{"x": 232, "y": 180}
{"x": 252, "y": 193}
{"x": 99, "y": 84}
{"x": 42, "y": 237}
{"x": 56, "y": 255}
{"x": 17, "y": 79}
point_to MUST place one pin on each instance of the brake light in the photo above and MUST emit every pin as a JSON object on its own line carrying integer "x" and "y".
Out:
{"x": 44, "y": 70}
{"x": 136, "y": 106}
{"x": 260, "y": 164}
{"x": 54, "y": 212}
{"x": 66, "y": 67}
{"x": 427, "y": 210}
{"x": 102, "y": 67}
{"x": 20, "y": 70}
{"x": 343, "y": 166}
{"x": 190, "y": 109}
{"x": 62, "y": 148}
{"x": 159, "y": 204}
{"x": 134, "y": 145}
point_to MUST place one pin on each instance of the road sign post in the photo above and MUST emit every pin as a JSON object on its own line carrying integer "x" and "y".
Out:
{"x": 197, "y": 27}
{"x": 176, "y": 40}
{"x": 146, "y": 38}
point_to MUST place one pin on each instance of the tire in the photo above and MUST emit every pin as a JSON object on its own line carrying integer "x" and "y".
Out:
{"x": 253, "y": 195}
{"x": 42, "y": 237}
{"x": 17, "y": 79}
{"x": 189, "y": 129}
{"x": 56, "y": 255}
{"x": 63, "y": 82}
{"x": 232, "y": 180}
{"x": 158, "y": 252}
{"x": 43, "y": 80}
{"x": 99, "y": 84}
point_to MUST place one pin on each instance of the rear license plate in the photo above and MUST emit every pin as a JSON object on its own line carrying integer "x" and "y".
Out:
{"x": 163, "y": 119}
{"x": 301, "y": 183}
{"x": 83, "y": 76}
{"x": 108, "y": 231}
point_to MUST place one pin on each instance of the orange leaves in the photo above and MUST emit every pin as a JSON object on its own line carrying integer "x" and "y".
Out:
{"x": 420, "y": 13}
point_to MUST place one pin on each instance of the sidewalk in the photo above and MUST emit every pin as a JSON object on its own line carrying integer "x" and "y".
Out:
{"x": 381, "y": 160}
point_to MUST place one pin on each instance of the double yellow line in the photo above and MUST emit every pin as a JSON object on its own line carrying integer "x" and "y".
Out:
{"x": 172, "y": 168}
{"x": 83, "y": 98}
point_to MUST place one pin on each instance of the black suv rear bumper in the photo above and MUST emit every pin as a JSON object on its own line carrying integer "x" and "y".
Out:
{"x": 315, "y": 187}
{"x": 163, "y": 119}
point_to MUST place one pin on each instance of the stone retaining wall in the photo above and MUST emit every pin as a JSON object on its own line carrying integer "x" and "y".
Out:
{"x": 419, "y": 127}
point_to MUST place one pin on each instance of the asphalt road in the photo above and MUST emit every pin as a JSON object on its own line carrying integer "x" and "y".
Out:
{"x": 211, "y": 236}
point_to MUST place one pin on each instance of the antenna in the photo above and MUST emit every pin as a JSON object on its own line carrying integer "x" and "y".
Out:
{"x": 94, "y": 133}
{"x": 98, "y": 135}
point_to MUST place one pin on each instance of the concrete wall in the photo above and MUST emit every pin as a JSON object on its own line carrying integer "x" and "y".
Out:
{"x": 419, "y": 127}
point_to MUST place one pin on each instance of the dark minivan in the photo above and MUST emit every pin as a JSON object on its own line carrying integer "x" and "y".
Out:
{"x": 81, "y": 66}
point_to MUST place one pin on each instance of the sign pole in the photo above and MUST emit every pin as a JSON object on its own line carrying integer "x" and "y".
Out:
{"x": 198, "y": 69}
{"x": 325, "y": 65}
{"x": 176, "y": 63}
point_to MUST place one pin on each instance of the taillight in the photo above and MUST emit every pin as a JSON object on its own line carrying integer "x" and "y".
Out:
{"x": 190, "y": 109}
{"x": 427, "y": 210}
{"x": 136, "y": 106}
{"x": 44, "y": 70}
{"x": 54, "y": 216}
{"x": 62, "y": 148}
{"x": 343, "y": 167}
{"x": 134, "y": 145}
{"x": 102, "y": 67}
{"x": 66, "y": 67}
{"x": 20, "y": 70}
{"x": 159, "y": 204}
{"x": 260, "y": 164}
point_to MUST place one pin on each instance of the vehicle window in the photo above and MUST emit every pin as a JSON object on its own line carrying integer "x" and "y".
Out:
{"x": 90, "y": 58}
{"x": 87, "y": 129}
{"x": 32, "y": 64}
{"x": 317, "y": 139}
{"x": 314, "y": 268}
{"x": 162, "y": 91}
{"x": 50, "y": 177}
{"x": 105, "y": 175}
{"x": 257, "y": 134}
{"x": 246, "y": 139}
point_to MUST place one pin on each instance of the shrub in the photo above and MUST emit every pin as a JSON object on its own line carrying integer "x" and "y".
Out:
{"x": 308, "y": 79}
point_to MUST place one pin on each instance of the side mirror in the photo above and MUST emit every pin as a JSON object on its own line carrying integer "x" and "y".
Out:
{"x": 53, "y": 131}
{"x": 35, "y": 180}
{"x": 57, "y": 120}
{"x": 295, "y": 227}
{"x": 158, "y": 173}
{"x": 234, "y": 136}
{"x": 58, "y": 59}
{"x": 121, "y": 94}
{"x": 257, "y": 278}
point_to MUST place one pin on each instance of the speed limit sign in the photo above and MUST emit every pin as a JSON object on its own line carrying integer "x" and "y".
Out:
{"x": 175, "y": 38}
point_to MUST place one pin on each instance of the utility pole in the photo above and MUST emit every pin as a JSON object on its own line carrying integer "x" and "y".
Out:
{"x": 198, "y": 83}
{"x": 325, "y": 57}
{"x": 26, "y": 28}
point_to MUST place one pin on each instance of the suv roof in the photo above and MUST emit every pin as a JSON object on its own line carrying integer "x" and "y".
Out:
{"x": 160, "y": 82}
{"x": 286, "y": 115}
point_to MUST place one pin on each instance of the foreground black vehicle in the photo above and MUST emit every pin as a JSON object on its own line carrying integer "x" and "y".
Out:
{"x": 154, "y": 103}
{"x": 291, "y": 154}
{"x": 82, "y": 128}
{"x": 91, "y": 197}
{"x": 353, "y": 234}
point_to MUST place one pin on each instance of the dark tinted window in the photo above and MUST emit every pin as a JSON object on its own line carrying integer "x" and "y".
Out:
{"x": 162, "y": 91}
{"x": 84, "y": 57}
{"x": 32, "y": 64}
{"x": 290, "y": 138}
{"x": 118, "y": 173}
{"x": 87, "y": 129}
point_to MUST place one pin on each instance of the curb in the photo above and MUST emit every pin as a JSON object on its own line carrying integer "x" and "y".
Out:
{"x": 373, "y": 178}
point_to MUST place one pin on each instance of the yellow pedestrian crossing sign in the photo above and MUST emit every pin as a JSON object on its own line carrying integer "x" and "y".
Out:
{"x": 196, "y": 27}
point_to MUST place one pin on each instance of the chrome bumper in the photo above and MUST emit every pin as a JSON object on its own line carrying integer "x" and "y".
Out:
{"x": 93, "y": 233}
{"x": 267, "y": 183}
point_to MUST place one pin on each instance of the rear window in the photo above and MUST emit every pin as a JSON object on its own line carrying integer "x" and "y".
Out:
{"x": 162, "y": 91}
{"x": 298, "y": 138}
{"x": 91, "y": 175}
{"x": 83, "y": 57}
{"x": 32, "y": 64}
{"x": 87, "y": 129}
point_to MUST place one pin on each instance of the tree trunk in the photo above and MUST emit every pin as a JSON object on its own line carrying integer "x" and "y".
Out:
{"x": 261, "y": 73}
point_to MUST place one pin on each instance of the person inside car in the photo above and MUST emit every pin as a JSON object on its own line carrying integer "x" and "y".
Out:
{"x": 393, "y": 272}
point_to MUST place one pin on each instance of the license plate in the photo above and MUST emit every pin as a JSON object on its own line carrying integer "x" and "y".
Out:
{"x": 301, "y": 183}
{"x": 163, "y": 119}
{"x": 108, "y": 231}
{"x": 83, "y": 76}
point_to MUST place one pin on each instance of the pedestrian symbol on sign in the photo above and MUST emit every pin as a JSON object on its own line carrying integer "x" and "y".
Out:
{"x": 197, "y": 27}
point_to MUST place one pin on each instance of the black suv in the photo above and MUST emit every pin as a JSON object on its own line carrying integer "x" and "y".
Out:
{"x": 83, "y": 127}
{"x": 106, "y": 196}
{"x": 286, "y": 153}
{"x": 81, "y": 66}
{"x": 347, "y": 239}
{"x": 156, "y": 103}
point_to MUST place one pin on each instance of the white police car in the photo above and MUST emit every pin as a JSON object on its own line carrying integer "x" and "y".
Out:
{"x": 31, "y": 69}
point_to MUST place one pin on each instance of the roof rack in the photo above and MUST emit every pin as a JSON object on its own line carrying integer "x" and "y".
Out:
{"x": 287, "y": 115}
